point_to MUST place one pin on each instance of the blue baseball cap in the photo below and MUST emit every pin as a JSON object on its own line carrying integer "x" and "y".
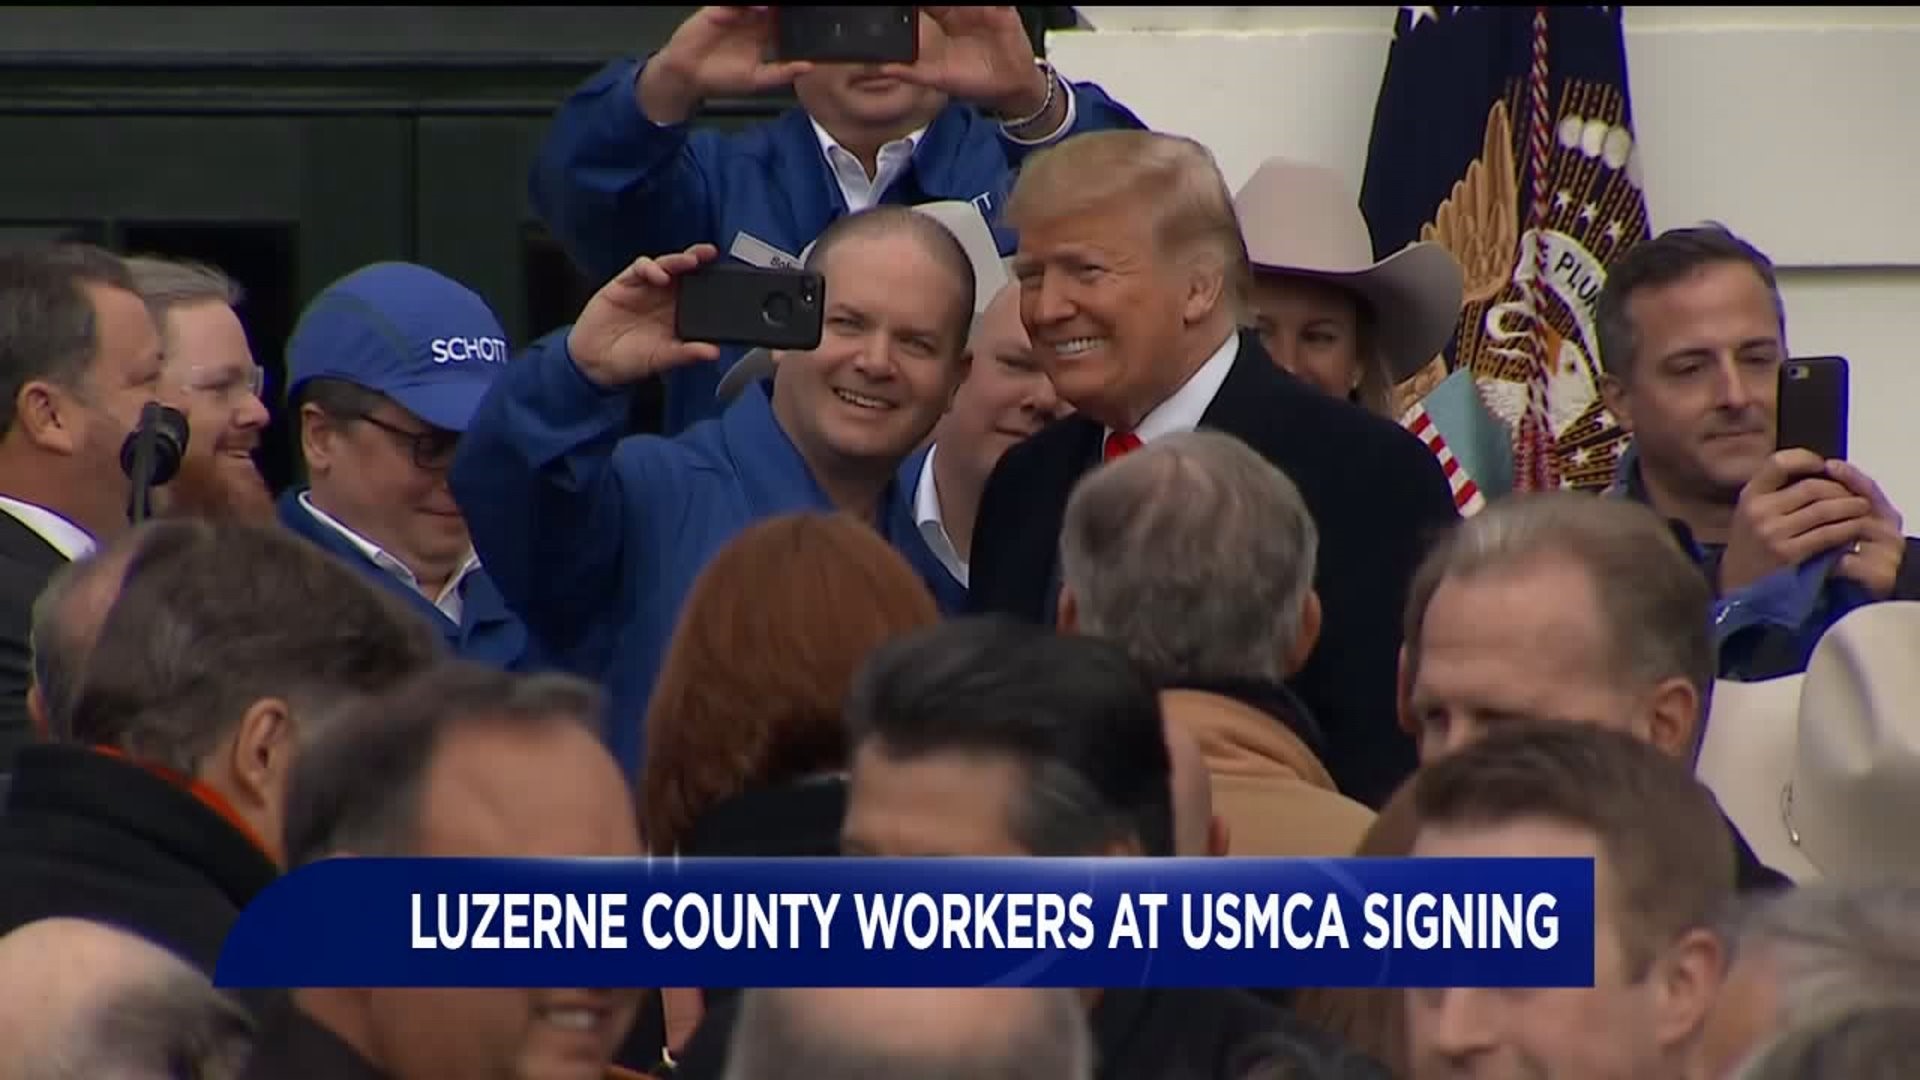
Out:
{"x": 414, "y": 334}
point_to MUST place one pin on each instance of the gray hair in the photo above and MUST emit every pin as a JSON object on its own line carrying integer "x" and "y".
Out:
{"x": 357, "y": 784}
{"x": 1667, "y": 259}
{"x": 1195, "y": 554}
{"x": 214, "y": 617}
{"x": 47, "y": 325}
{"x": 56, "y": 649}
{"x": 777, "y": 1035}
{"x": 169, "y": 283}
{"x": 1831, "y": 945}
{"x": 1875, "y": 1043}
{"x": 174, "y": 1026}
{"x": 1653, "y": 599}
{"x": 62, "y": 633}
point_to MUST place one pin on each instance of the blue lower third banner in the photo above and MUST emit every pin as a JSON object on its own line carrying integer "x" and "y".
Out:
{"x": 1095, "y": 922}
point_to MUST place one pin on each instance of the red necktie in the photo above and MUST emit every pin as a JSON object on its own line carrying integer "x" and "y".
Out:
{"x": 1121, "y": 443}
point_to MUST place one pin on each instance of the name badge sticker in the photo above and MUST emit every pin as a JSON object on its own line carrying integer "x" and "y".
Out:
{"x": 754, "y": 251}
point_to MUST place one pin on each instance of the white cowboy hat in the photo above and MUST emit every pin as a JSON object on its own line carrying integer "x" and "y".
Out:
{"x": 1303, "y": 219}
{"x": 964, "y": 221}
{"x": 1821, "y": 772}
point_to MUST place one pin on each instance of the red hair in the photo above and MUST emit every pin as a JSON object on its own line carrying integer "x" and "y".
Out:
{"x": 761, "y": 660}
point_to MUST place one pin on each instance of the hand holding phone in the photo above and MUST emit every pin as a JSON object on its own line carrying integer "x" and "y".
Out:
{"x": 719, "y": 51}
{"x": 626, "y": 331}
{"x": 736, "y": 304}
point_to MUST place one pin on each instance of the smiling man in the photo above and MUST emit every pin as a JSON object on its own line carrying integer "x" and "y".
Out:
{"x": 623, "y": 171}
{"x": 1005, "y": 399}
{"x": 596, "y": 539}
{"x": 210, "y": 372}
{"x": 1133, "y": 279}
{"x": 386, "y": 367}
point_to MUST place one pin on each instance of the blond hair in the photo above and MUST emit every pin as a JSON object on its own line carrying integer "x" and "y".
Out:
{"x": 1173, "y": 176}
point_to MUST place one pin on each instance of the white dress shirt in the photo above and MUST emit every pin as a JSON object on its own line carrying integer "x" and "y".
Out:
{"x": 450, "y": 602}
{"x": 859, "y": 189}
{"x": 1184, "y": 410}
{"x": 932, "y": 524}
{"x": 60, "y": 534}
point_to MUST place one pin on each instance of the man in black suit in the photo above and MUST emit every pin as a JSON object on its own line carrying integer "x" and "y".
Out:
{"x": 79, "y": 358}
{"x": 1133, "y": 273}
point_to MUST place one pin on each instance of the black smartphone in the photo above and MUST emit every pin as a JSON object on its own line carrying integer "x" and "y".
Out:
{"x": 1812, "y": 411}
{"x": 848, "y": 35}
{"x": 733, "y": 304}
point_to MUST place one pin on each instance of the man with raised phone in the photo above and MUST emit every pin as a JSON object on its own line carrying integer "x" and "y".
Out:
{"x": 1692, "y": 331}
{"x": 595, "y": 539}
{"x": 624, "y": 171}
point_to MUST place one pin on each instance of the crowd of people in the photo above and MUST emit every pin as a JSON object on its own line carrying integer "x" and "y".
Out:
{"x": 1089, "y": 528}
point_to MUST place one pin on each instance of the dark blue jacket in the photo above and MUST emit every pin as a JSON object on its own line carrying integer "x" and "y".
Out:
{"x": 488, "y": 632}
{"x": 595, "y": 539}
{"x": 1769, "y": 627}
{"x": 612, "y": 185}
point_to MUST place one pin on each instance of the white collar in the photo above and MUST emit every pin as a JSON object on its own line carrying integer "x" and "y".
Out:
{"x": 932, "y": 524}
{"x": 859, "y": 189}
{"x": 829, "y": 144}
{"x": 60, "y": 534}
{"x": 449, "y": 600}
{"x": 1184, "y": 410}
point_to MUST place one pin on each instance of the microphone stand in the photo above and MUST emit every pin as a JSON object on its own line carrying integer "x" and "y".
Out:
{"x": 151, "y": 455}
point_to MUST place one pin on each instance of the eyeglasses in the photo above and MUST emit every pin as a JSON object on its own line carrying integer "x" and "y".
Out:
{"x": 432, "y": 449}
{"x": 228, "y": 383}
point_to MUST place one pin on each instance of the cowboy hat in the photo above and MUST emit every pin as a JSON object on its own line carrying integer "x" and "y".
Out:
{"x": 965, "y": 222}
{"x": 1303, "y": 219}
{"x": 1821, "y": 771}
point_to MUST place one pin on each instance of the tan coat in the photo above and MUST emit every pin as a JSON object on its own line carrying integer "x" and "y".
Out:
{"x": 1273, "y": 794}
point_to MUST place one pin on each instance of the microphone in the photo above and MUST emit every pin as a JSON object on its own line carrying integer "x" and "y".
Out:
{"x": 151, "y": 455}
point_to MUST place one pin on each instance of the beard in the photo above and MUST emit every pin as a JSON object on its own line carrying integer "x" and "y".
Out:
{"x": 218, "y": 487}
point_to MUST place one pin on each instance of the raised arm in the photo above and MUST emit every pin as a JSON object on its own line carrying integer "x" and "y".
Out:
{"x": 560, "y": 519}
{"x": 621, "y": 172}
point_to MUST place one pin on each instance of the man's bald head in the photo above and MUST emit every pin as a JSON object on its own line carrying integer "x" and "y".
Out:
{"x": 80, "y": 999}
{"x": 67, "y": 617}
{"x": 1000, "y": 322}
{"x": 911, "y": 1034}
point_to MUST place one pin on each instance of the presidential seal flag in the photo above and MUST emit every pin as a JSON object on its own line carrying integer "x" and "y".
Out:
{"x": 1505, "y": 134}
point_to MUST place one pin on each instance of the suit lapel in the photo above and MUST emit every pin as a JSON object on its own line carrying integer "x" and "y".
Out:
{"x": 20, "y": 544}
{"x": 1248, "y": 385}
{"x": 1081, "y": 442}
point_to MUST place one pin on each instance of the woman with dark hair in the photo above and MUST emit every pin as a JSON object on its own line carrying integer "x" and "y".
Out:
{"x": 1324, "y": 307}
{"x": 746, "y": 753}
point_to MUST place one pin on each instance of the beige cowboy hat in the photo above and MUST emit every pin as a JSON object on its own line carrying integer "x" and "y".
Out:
{"x": 1303, "y": 219}
{"x": 1820, "y": 772}
{"x": 965, "y": 222}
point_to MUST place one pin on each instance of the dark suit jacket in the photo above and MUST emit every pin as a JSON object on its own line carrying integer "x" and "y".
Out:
{"x": 26, "y": 563}
{"x": 1376, "y": 492}
{"x": 89, "y": 836}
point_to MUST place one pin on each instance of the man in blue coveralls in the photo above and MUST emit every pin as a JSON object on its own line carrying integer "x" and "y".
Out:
{"x": 595, "y": 539}
{"x": 386, "y": 367}
{"x": 622, "y": 173}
